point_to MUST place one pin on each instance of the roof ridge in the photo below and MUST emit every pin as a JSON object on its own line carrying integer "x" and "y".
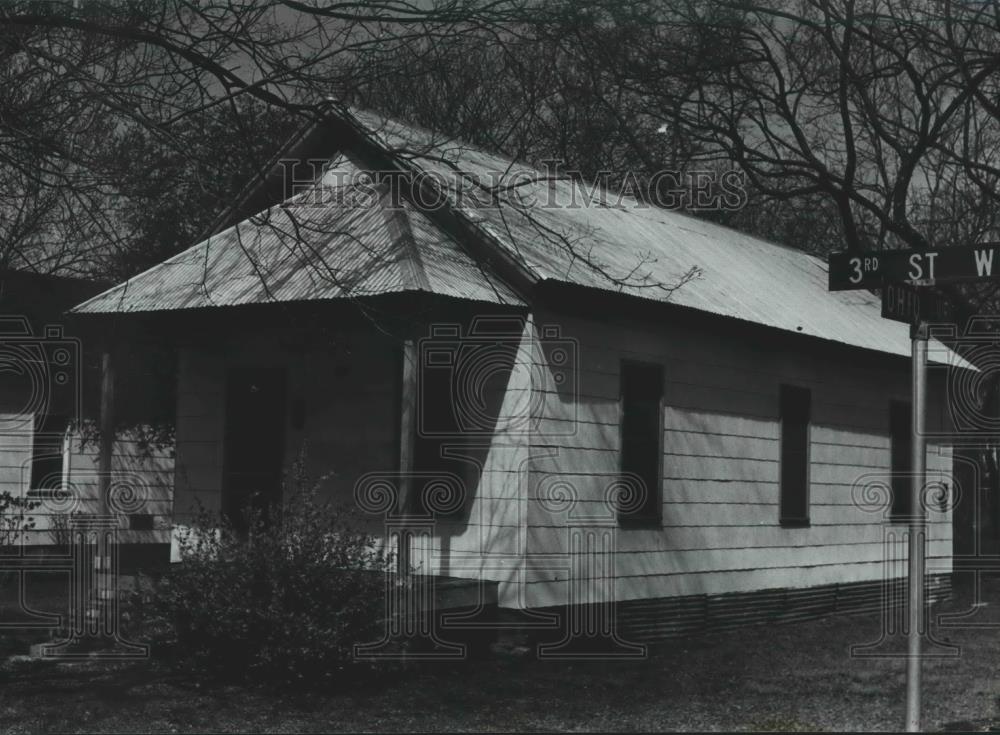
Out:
{"x": 597, "y": 191}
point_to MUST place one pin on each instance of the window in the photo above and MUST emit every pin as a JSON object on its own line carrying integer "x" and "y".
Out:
{"x": 47, "y": 452}
{"x": 444, "y": 481}
{"x": 642, "y": 437}
{"x": 901, "y": 457}
{"x": 795, "y": 410}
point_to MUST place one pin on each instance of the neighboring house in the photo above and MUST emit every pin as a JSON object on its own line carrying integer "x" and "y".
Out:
{"x": 49, "y": 384}
{"x": 510, "y": 370}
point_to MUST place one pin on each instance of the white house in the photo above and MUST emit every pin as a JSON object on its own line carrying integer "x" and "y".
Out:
{"x": 582, "y": 398}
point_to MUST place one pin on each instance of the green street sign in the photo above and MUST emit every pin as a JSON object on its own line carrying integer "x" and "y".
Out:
{"x": 914, "y": 304}
{"x": 872, "y": 270}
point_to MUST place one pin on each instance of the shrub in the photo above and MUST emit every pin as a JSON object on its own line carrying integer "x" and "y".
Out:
{"x": 15, "y": 523}
{"x": 286, "y": 601}
{"x": 15, "y": 520}
{"x": 61, "y": 531}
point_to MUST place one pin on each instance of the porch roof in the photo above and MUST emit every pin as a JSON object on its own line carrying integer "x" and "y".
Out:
{"x": 328, "y": 242}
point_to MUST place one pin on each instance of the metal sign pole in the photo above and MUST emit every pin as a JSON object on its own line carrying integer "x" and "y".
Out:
{"x": 906, "y": 278}
{"x": 915, "y": 629}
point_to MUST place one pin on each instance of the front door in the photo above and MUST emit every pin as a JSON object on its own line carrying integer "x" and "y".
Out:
{"x": 254, "y": 442}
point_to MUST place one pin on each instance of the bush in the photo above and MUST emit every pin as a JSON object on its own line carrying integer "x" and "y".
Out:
{"x": 284, "y": 602}
{"x": 15, "y": 524}
{"x": 15, "y": 521}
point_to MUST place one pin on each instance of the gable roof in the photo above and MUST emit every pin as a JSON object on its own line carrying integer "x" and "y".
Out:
{"x": 360, "y": 241}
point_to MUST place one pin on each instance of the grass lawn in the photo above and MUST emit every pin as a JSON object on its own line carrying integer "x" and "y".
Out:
{"x": 782, "y": 677}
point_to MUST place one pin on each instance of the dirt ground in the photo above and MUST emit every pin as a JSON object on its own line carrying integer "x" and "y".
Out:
{"x": 783, "y": 677}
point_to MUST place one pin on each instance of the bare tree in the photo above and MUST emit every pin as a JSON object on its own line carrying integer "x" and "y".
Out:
{"x": 155, "y": 67}
{"x": 871, "y": 124}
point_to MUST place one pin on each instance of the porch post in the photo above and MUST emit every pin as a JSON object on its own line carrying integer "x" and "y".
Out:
{"x": 107, "y": 419}
{"x": 917, "y": 542}
{"x": 102, "y": 531}
{"x": 407, "y": 443}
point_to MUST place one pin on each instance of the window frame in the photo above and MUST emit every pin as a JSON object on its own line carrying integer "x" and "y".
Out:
{"x": 785, "y": 391}
{"x": 39, "y": 424}
{"x": 444, "y": 451}
{"x": 643, "y": 519}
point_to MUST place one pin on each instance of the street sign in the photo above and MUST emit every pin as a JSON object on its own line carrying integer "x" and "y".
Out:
{"x": 914, "y": 304}
{"x": 898, "y": 273}
{"x": 871, "y": 270}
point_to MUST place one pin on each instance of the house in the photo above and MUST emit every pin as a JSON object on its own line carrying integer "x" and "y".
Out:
{"x": 49, "y": 385}
{"x": 581, "y": 398}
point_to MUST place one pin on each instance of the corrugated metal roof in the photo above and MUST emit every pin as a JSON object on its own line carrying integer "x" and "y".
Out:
{"x": 556, "y": 226}
{"x": 558, "y": 230}
{"x": 326, "y": 243}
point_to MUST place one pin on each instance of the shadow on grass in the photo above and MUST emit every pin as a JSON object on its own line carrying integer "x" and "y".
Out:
{"x": 790, "y": 677}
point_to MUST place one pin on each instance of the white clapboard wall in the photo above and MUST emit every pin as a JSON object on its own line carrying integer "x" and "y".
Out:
{"x": 142, "y": 485}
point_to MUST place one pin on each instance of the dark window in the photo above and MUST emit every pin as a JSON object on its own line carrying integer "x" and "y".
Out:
{"x": 445, "y": 428}
{"x": 901, "y": 457}
{"x": 795, "y": 410}
{"x": 47, "y": 452}
{"x": 642, "y": 438}
{"x": 254, "y": 436}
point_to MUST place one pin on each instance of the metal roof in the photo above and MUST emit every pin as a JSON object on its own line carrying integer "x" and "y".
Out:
{"x": 564, "y": 231}
{"x": 326, "y": 243}
{"x": 354, "y": 244}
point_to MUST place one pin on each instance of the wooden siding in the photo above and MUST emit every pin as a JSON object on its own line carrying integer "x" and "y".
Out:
{"x": 350, "y": 424}
{"x": 15, "y": 453}
{"x": 488, "y": 540}
{"x": 557, "y": 432}
{"x": 150, "y": 474}
{"x": 720, "y": 532}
